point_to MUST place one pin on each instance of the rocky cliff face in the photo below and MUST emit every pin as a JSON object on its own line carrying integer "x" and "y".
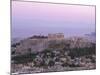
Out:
{"x": 31, "y": 45}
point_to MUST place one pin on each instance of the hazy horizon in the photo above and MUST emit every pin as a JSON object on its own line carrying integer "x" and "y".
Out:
{"x": 30, "y": 18}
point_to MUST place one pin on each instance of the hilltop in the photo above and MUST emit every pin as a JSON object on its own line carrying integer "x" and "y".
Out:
{"x": 40, "y": 54}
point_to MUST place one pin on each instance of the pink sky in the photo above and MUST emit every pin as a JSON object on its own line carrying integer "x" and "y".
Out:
{"x": 74, "y": 15}
{"x": 54, "y": 11}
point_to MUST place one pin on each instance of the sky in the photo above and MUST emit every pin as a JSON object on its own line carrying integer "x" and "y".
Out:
{"x": 30, "y": 18}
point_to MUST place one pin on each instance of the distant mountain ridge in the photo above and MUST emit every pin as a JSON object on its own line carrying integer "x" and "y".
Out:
{"x": 15, "y": 40}
{"x": 91, "y": 36}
